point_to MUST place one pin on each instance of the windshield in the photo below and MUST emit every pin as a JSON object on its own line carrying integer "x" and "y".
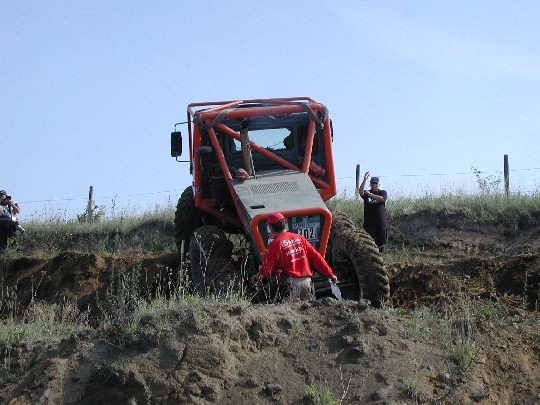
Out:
{"x": 272, "y": 139}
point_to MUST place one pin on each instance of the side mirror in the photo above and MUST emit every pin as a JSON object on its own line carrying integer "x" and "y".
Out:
{"x": 176, "y": 144}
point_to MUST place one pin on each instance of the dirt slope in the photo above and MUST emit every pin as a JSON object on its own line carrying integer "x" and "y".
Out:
{"x": 232, "y": 354}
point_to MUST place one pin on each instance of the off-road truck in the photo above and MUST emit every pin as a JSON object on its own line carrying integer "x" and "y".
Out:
{"x": 251, "y": 158}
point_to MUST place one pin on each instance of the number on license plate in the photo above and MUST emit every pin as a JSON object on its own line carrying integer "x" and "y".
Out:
{"x": 308, "y": 233}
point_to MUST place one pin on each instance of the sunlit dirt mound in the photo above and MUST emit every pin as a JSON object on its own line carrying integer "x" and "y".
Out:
{"x": 276, "y": 354}
{"x": 247, "y": 354}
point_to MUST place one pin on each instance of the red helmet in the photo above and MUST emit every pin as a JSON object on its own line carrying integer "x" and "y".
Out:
{"x": 275, "y": 218}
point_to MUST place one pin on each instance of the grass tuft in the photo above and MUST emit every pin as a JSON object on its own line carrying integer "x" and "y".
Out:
{"x": 316, "y": 395}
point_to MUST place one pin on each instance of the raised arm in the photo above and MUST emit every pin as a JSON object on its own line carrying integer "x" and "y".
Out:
{"x": 362, "y": 190}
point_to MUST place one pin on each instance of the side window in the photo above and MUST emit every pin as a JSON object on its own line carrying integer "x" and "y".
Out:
{"x": 223, "y": 139}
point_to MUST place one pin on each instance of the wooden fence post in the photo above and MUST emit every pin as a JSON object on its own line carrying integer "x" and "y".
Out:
{"x": 506, "y": 177}
{"x": 90, "y": 207}
{"x": 357, "y": 180}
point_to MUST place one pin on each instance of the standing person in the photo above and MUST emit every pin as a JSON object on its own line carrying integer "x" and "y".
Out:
{"x": 375, "y": 219}
{"x": 9, "y": 210}
{"x": 290, "y": 255}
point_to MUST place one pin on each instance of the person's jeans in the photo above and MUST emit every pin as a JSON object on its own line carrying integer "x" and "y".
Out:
{"x": 379, "y": 235}
{"x": 4, "y": 234}
{"x": 296, "y": 289}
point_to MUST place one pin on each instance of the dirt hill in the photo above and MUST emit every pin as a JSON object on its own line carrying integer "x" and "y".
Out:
{"x": 462, "y": 327}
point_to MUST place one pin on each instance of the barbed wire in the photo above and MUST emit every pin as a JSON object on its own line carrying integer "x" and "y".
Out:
{"x": 445, "y": 174}
{"x": 101, "y": 198}
{"x": 118, "y": 196}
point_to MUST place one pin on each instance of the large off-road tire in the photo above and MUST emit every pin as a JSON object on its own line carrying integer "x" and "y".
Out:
{"x": 186, "y": 219}
{"x": 357, "y": 262}
{"x": 210, "y": 262}
{"x": 341, "y": 221}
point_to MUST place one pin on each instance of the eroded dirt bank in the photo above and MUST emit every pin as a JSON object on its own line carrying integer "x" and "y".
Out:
{"x": 237, "y": 354}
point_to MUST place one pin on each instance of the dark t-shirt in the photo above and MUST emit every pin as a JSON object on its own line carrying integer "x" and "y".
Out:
{"x": 374, "y": 211}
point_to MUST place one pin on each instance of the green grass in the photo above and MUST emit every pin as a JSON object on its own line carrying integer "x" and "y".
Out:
{"x": 52, "y": 232}
{"x": 421, "y": 323}
{"x": 317, "y": 395}
{"x": 40, "y": 322}
{"x": 517, "y": 210}
{"x": 465, "y": 352}
{"x": 130, "y": 312}
{"x": 43, "y": 320}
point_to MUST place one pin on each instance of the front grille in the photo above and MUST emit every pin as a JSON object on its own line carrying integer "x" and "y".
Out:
{"x": 282, "y": 187}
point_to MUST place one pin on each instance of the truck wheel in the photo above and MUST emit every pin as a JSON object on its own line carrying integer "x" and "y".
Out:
{"x": 357, "y": 262}
{"x": 341, "y": 221}
{"x": 210, "y": 261}
{"x": 186, "y": 218}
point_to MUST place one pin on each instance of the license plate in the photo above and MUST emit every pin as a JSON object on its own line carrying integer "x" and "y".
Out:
{"x": 307, "y": 226}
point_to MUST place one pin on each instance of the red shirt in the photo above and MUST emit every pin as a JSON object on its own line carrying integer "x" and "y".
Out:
{"x": 292, "y": 253}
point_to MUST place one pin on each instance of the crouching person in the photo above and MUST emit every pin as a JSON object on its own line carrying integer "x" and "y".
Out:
{"x": 9, "y": 210}
{"x": 290, "y": 255}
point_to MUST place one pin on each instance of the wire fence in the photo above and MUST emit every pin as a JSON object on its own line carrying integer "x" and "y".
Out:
{"x": 403, "y": 184}
{"x": 433, "y": 184}
{"x": 447, "y": 174}
{"x": 113, "y": 197}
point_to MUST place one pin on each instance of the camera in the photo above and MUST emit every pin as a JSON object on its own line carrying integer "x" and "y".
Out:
{"x": 19, "y": 228}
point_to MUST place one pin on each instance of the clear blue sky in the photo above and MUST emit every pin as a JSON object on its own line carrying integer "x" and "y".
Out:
{"x": 90, "y": 91}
